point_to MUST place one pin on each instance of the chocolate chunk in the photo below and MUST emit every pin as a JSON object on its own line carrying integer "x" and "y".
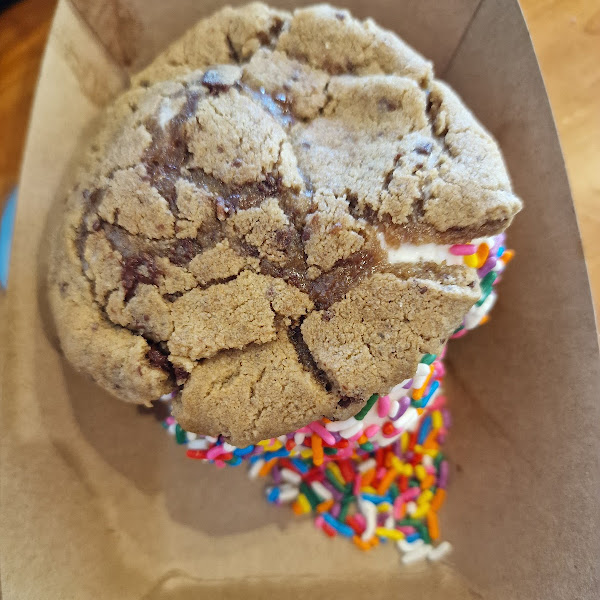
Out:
{"x": 276, "y": 28}
{"x": 182, "y": 251}
{"x": 172, "y": 297}
{"x": 138, "y": 269}
{"x": 346, "y": 401}
{"x": 168, "y": 153}
{"x": 181, "y": 375}
{"x": 270, "y": 186}
{"x": 263, "y": 38}
{"x": 157, "y": 359}
{"x": 284, "y": 237}
{"x": 333, "y": 285}
{"x": 96, "y": 196}
{"x": 249, "y": 250}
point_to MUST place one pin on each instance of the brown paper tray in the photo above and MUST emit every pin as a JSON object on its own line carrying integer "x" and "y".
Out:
{"x": 96, "y": 502}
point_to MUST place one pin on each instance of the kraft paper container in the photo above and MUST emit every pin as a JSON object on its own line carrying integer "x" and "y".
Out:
{"x": 97, "y": 502}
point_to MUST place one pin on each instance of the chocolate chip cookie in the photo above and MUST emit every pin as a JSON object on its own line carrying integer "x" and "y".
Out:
{"x": 227, "y": 234}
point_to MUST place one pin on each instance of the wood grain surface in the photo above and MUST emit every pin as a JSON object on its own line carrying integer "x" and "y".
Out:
{"x": 566, "y": 36}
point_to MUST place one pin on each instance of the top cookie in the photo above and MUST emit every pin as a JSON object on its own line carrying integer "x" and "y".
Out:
{"x": 223, "y": 233}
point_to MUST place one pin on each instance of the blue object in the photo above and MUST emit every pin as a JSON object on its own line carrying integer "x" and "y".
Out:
{"x": 425, "y": 429}
{"x": 299, "y": 465}
{"x": 376, "y": 499}
{"x": 243, "y": 451}
{"x": 7, "y": 224}
{"x": 281, "y": 453}
{"x": 422, "y": 403}
{"x": 338, "y": 525}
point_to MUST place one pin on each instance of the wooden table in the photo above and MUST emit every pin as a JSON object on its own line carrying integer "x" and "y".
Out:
{"x": 566, "y": 35}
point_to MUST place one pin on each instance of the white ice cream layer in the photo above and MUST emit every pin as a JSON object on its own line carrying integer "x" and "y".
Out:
{"x": 413, "y": 253}
{"x": 437, "y": 253}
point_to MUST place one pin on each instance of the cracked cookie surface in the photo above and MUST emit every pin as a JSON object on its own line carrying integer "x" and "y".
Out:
{"x": 221, "y": 235}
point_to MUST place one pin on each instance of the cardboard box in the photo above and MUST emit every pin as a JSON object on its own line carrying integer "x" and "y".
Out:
{"x": 97, "y": 502}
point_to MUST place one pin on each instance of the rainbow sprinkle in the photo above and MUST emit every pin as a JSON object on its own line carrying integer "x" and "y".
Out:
{"x": 380, "y": 476}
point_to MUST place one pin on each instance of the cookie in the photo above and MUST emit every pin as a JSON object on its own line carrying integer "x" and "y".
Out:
{"x": 237, "y": 226}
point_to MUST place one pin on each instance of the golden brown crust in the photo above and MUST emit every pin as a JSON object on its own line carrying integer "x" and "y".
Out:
{"x": 264, "y": 384}
{"x": 378, "y": 333}
{"x": 220, "y": 234}
{"x": 233, "y": 315}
